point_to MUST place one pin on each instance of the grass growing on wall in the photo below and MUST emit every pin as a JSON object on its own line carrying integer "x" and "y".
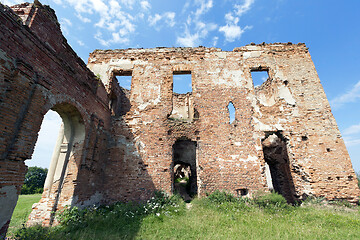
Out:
{"x": 219, "y": 216}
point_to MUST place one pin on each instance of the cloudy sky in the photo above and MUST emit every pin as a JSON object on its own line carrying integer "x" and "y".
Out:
{"x": 330, "y": 28}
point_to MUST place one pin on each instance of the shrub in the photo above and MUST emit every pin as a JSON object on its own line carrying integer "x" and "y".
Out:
{"x": 73, "y": 217}
{"x": 272, "y": 201}
{"x": 221, "y": 197}
{"x": 36, "y": 232}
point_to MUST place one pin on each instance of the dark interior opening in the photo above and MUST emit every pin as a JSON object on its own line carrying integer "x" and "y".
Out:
{"x": 276, "y": 156}
{"x": 184, "y": 170}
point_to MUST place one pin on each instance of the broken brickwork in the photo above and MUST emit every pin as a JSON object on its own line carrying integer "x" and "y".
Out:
{"x": 39, "y": 71}
{"x": 290, "y": 104}
{"x": 122, "y": 145}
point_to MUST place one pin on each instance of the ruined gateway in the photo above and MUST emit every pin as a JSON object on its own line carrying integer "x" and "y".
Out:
{"x": 120, "y": 145}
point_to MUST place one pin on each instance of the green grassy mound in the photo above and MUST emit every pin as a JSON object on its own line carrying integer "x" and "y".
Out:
{"x": 218, "y": 216}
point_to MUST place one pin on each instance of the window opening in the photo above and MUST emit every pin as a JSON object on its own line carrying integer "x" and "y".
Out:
{"x": 124, "y": 81}
{"x": 184, "y": 171}
{"x": 182, "y": 82}
{"x": 259, "y": 77}
{"x": 231, "y": 110}
{"x": 119, "y": 101}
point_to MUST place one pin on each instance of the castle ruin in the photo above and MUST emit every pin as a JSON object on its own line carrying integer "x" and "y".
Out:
{"x": 120, "y": 144}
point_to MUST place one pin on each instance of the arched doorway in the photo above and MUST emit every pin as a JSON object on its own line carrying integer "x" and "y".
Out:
{"x": 63, "y": 165}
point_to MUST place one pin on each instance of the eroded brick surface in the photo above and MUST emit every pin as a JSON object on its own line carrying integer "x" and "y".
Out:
{"x": 118, "y": 144}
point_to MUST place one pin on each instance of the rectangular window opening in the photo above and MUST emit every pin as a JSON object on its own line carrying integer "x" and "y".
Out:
{"x": 259, "y": 76}
{"x": 182, "y": 82}
{"x": 124, "y": 79}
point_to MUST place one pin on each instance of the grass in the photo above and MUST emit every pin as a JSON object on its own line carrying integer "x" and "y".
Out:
{"x": 22, "y": 210}
{"x": 215, "y": 217}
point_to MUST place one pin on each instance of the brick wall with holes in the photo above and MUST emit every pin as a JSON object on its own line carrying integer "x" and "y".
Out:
{"x": 291, "y": 104}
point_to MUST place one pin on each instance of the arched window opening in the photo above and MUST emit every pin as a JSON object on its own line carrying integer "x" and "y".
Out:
{"x": 231, "y": 110}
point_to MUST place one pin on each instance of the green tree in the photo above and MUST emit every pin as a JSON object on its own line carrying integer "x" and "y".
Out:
{"x": 34, "y": 180}
{"x": 358, "y": 177}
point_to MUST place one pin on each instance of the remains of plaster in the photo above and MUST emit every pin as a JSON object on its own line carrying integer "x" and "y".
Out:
{"x": 121, "y": 149}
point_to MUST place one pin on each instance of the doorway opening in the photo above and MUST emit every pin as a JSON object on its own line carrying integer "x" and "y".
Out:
{"x": 277, "y": 169}
{"x": 184, "y": 170}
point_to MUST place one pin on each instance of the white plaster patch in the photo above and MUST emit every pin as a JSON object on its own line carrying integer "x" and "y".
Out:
{"x": 133, "y": 121}
{"x": 252, "y": 48}
{"x": 254, "y": 54}
{"x": 251, "y": 158}
{"x": 215, "y": 71}
{"x": 123, "y": 64}
{"x": 94, "y": 200}
{"x": 296, "y": 112}
{"x": 221, "y": 54}
{"x": 279, "y": 127}
{"x": 234, "y": 156}
{"x": 266, "y": 101}
{"x": 259, "y": 126}
{"x": 102, "y": 71}
{"x": 8, "y": 199}
{"x": 237, "y": 144}
{"x": 233, "y": 78}
{"x": 285, "y": 94}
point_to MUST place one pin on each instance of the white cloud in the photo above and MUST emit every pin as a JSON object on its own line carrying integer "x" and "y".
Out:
{"x": 351, "y": 141}
{"x": 240, "y": 9}
{"x": 350, "y": 96}
{"x": 116, "y": 38}
{"x": 205, "y": 6}
{"x": 215, "y": 40}
{"x": 83, "y": 19}
{"x": 354, "y": 129}
{"x": 11, "y": 2}
{"x": 145, "y": 5}
{"x": 168, "y": 17}
{"x": 154, "y": 19}
{"x": 232, "y": 32}
{"x": 351, "y": 135}
{"x": 110, "y": 17}
{"x": 189, "y": 40}
{"x": 81, "y": 43}
{"x": 65, "y": 24}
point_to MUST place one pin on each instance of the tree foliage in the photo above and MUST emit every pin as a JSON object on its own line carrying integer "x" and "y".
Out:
{"x": 34, "y": 180}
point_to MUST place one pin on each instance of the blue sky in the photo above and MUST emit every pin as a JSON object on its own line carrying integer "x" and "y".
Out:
{"x": 329, "y": 28}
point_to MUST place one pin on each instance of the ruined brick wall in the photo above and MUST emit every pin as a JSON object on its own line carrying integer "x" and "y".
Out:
{"x": 290, "y": 106}
{"x": 120, "y": 145}
{"x": 39, "y": 71}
